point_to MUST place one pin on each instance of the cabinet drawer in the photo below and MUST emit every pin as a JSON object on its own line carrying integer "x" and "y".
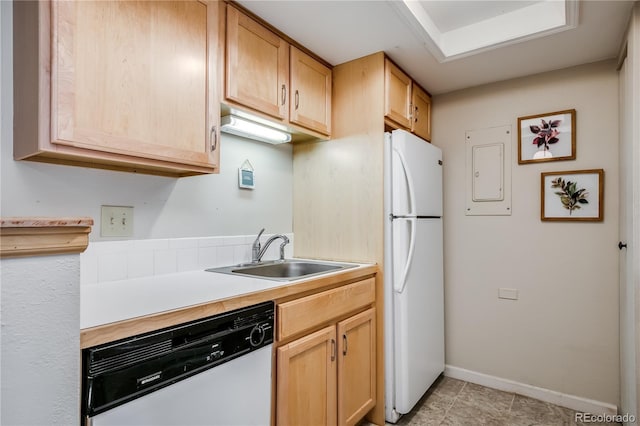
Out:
{"x": 304, "y": 313}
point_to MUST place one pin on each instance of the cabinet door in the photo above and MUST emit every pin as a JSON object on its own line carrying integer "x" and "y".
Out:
{"x": 397, "y": 95}
{"x": 421, "y": 123}
{"x": 310, "y": 105}
{"x": 356, "y": 367}
{"x": 306, "y": 381}
{"x": 136, "y": 79}
{"x": 257, "y": 71}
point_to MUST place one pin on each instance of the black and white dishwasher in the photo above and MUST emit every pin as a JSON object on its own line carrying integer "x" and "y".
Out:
{"x": 212, "y": 371}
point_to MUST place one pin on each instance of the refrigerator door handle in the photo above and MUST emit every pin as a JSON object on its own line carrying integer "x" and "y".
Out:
{"x": 407, "y": 174}
{"x": 402, "y": 283}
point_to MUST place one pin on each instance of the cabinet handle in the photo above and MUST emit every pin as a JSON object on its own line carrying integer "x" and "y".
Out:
{"x": 333, "y": 349}
{"x": 284, "y": 94}
{"x": 297, "y": 98}
{"x": 213, "y": 138}
{"x": 416, "y": 114}
{"x": 344, "y": 344}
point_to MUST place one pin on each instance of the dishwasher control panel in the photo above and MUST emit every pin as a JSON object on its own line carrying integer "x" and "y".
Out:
{"x": 120, "y": 371}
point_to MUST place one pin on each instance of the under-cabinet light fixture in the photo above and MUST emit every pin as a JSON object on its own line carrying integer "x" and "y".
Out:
{"x": 240, "y": 126}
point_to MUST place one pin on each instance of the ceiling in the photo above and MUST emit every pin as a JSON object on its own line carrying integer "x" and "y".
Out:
{"x": 339, "y": 31}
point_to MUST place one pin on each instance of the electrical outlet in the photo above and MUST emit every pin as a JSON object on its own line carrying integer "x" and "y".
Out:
{"x": 508, "y": 293}
{"x": 116, "y": 221}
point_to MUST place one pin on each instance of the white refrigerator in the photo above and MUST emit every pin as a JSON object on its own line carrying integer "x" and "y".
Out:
{"x": 413, "y": 271}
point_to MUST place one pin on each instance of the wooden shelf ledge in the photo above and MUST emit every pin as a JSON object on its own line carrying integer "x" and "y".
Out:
{"x": 40, "y": 236}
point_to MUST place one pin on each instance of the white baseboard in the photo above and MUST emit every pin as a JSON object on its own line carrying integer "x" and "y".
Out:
{"x": 573, "y": 402}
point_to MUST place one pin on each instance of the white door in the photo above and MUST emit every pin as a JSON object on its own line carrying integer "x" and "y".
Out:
{"x": 628, "y": 331}
{"x": 416, "y": 183}
{"x": 418, "y": 298}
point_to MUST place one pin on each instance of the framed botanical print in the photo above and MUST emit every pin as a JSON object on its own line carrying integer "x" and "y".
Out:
{"x": 572, "y": 195}
{"x": 547, "y": 137}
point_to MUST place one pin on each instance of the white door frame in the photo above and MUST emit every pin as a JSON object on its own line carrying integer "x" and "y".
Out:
{"x": 630, "y": 220}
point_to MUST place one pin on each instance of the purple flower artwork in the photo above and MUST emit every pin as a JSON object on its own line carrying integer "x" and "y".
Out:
{"x": 546, "y": 137}
{"x": 547, "y": 134}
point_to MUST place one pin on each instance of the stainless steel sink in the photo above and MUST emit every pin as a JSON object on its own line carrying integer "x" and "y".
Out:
{"x": 282, "y": 270}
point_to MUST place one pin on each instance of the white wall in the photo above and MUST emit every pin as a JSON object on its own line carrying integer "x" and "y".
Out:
{"x": 163, "y": 207}
{"x": 40, "y": 340}
{"x": 209, "y": 205}
{"x": 4, "y": 18}
{"x": 562, "y": 333}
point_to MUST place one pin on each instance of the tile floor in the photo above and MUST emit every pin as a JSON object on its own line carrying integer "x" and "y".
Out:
{"x": 454, "y": 402}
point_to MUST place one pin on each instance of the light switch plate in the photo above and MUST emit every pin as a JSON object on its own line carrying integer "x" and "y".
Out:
{"x": 116, "y": 221}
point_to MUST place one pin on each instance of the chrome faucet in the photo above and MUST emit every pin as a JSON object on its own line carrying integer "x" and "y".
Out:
{"x": 257, "y": 252}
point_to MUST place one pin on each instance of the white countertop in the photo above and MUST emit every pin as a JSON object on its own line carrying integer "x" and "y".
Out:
{"x": 114, "y": 301}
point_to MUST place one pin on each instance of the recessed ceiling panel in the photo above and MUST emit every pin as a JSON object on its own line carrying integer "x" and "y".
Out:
{"x": 455, "y": 29}
{"x": 450, "y": 15}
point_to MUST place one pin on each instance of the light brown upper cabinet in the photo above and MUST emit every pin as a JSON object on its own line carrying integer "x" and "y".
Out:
{"x": 421, "y": 122}
{"x": 311, "y": 92}
{"x": 132, "y": 85}
{"x": 257, "y": 66}
{"x": 397, "y": 95}
{"x": 267, "y": 74}
{"x": 406, "y": 105}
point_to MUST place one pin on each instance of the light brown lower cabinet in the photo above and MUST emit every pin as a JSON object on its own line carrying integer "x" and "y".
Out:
{"x": 328, "y": 377}
{"x": 356, "y": 367}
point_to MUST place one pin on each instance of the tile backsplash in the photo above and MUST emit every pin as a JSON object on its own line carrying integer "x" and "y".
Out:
{"x": 120, "y": 260}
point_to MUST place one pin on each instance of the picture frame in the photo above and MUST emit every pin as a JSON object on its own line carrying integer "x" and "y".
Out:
{"x": 576, "y": 195}
{"x": 547, "y": 137}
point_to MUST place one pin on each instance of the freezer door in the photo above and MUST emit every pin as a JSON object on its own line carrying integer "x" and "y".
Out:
{"x": 418, "y": 305}
{"x": 416, "y": 176}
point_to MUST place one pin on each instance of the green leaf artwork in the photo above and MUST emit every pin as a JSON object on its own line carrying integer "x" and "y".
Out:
{"x": 570, "y": 196}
